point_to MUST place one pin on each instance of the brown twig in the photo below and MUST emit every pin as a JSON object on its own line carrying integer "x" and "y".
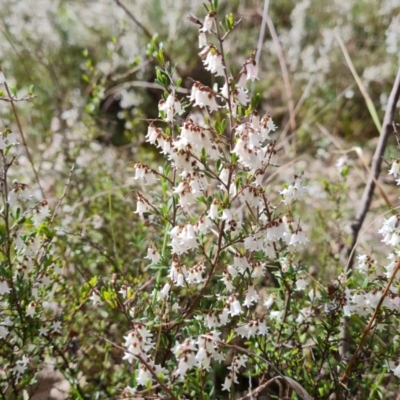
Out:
{"x": 375, "y": 168}
{"x": 264, "y": 16}
{"x": 259, "y": 389}
{"x": 12, "y": 101}
{"x": 143, "y": 28}
{"x": 143, "y": 361}
{"x": 369, "y": 326}
{"x": 285, "y": 74}
{"x": 65, "y": 191}
{"x": 291, "y": 382}
{"x": 368, "y": 193}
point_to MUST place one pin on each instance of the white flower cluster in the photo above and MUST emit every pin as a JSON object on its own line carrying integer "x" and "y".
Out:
{"x": 237, "y": 363}
{"x": 198, "y": 352}
{"x": 214, "y": 174}
{"x": 138, "y": 343}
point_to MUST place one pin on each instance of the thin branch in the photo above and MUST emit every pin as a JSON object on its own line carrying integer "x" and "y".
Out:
{"x": 375, "y": 168}
{"x": 144, "y": 29}
{"x": 141, "y": 84}
{"x": 285, "y": 74}
{"x": 262, "y": 32}
{"x": 259, "y": 389}
{"x": 369, "y": 326}
{"x": 368, "y": 193}
{"x": 66, "y": 187}
{"x": 143, "y": 361}
{"x": 291, "y": 382}
{"x": 367, "y": 98}
{"x": 131, "y": 71}
{"x": 12, "y": 100}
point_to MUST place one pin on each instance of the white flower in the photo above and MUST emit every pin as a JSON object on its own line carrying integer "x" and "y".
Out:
{"x": 228, "y": 382}
{"x": 3, "y": 332}
{"x": 298, "y": 238}
{"x": 153, "y": 134}
{"x": 251, "y": 297}
{"x": 95, "y": 298}
{"x": 203, "y": 96}
{"x": 213, "y": 211}
{"x": 164, "y": 292}
{"x": 252, "y": 70}
{"x": 389, "y": 225}
{"x": 301, "y": 284}
{"x": 56, "y": 326}
{"x": 153, "y": 254}
{"x": 395, "y": 169}
{"x": 144, "y": 375}
{"x": 294, "y": 191}
{"x": 209, "y": 22}
{"x": 213, "y": 61}
{"x": 227, "y": 280}
{"x": 30, "y": 310}
{"x": 396, "y": 371}
{"x": 124, "y": 291}
{"x": 224, "y": 315}
{"x": 266, "y": 126}
{"x": 43, "y": 330}
{"x": 170, "y": 107}
{"x": 226, "y": 215}
{"x": 364, "y": 263}
{"x": 141, "y": 205}
{"x": 276, "y": 315}
{"x": 40, "y": 212}
{"x": 185, "y": 352}
{"x": 202, "y": 38}
{"x": 4, "y": 289}
{"x": 250, "y": 329}
{"x": 235, "y": 308}
{"x": 341, "y": 163}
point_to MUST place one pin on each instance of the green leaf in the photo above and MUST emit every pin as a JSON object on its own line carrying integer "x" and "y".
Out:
{"x": 223, "y": 125}
{"x": 229, "y": 21}
{"x": 13, "y": 90}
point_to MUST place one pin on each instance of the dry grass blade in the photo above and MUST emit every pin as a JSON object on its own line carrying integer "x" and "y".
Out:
{"x": 368, "y": 101}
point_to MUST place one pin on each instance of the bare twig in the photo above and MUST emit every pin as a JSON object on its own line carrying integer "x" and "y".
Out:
{"x": 368, "y": 101}
{"x": 143, "y": 361}
{"x": 369, "y": 326}
{"x": 368, "y": 193}
{"x": 12, "y": 101}
{"x": 131, "y": 71}
{"x": 259, "y": 389}
{"x": 285, "y": 74}
{"x": 143, "y": 28}
{"x": 134, "y": 19}
{"x": 375, "y": 167}
{"x": 262, "y": 32}
{"x": 66, "y": 187}
{"x": 291, "y": 382}
{"x": 142, "y": 84}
